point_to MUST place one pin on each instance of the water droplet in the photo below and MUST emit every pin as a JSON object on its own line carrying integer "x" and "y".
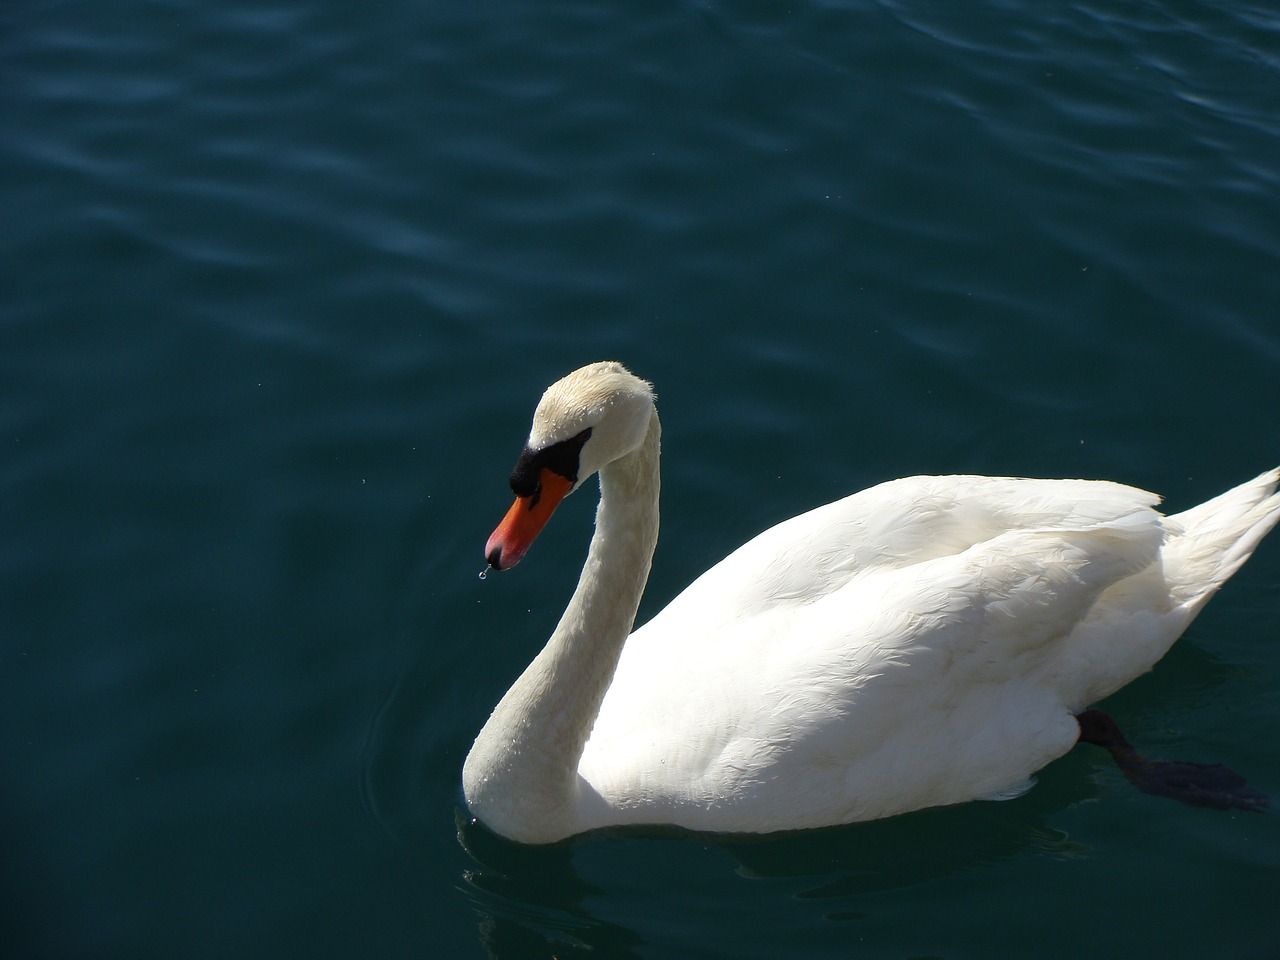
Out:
{"x": 484, "y": 573}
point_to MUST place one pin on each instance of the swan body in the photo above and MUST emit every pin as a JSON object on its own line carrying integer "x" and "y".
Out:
{"x": 924, "y": 642}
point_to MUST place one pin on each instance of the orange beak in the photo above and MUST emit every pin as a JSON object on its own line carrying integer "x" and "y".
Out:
{"x": 525, "y": 520}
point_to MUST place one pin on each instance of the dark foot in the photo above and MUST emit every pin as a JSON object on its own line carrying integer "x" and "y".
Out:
{"x": 1195, "y": 784}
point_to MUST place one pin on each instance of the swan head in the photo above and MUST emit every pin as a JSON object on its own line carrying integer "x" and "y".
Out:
{"x": 595, "y": 415}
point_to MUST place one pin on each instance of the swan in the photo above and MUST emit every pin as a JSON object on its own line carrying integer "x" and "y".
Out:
{"x": 928, "y": 641}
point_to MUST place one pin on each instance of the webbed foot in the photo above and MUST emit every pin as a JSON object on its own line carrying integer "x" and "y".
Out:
{"x": 1195, "y": 784}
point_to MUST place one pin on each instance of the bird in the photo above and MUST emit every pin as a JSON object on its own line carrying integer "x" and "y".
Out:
{"x": 927, "y": 641}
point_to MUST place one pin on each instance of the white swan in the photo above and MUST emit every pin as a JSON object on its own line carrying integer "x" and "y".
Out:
{"x": 924, "y": 642}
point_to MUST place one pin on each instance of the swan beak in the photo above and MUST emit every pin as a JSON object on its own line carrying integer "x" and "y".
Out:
{"x": 525, "y": 520}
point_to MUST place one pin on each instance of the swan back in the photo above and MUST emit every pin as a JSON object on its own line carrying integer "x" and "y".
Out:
{"x": 923, "y": 642}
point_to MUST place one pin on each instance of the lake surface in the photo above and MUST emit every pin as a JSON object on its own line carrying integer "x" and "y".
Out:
{"x": 281, "y": 283}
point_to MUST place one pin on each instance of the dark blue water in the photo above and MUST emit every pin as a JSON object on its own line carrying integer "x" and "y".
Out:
{"x": 280, "y": 284}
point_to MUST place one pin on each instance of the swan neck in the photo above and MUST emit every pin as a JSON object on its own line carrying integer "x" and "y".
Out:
{"x": 521, "y": 777}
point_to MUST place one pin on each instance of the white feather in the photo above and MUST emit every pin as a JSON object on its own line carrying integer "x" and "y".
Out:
{"x": 923, "y": 642}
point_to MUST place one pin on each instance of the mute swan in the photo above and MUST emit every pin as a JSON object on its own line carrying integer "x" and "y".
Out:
{"x": 924, "y": 642}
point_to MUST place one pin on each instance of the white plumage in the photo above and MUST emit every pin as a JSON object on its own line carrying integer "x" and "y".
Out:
{"x": 924, "y": 642}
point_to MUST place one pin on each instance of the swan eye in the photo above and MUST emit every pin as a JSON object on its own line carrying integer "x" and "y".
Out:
{"x": 560, "y": 458}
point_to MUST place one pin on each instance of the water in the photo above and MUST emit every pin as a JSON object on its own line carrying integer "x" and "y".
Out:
{"x": 281, "y": 284}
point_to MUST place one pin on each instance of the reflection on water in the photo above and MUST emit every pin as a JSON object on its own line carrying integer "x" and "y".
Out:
{"x": 542, "y": 901}
{"x": 532, "y": 901}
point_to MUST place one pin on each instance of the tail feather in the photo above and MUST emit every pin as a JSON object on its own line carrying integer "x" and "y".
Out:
{"x": 1209, "y": 542}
